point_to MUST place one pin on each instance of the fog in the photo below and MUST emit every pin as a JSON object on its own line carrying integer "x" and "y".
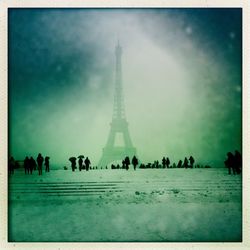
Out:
{"x": 181, "y": 97}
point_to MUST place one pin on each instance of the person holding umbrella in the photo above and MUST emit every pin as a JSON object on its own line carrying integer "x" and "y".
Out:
{"x": 73, "y": 163}
{"x": 80, "y": 162}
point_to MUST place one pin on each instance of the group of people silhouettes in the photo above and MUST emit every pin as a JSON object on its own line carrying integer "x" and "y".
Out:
{"x": 82, "y": 164}
{"x": 125, "y": 163}
{"x": 234, "y": 162}
{"x": 30, "y": 164}
{"x": 187, "y": 163}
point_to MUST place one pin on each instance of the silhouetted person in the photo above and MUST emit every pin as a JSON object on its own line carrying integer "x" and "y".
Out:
{"x": 157, "y": 164}
{"x": 191, "y": 160}
{"x": 11, "y": 165}
{"x": 164, "y": 163}
{"x": 46, "y": 163}
{"x": 185, "y": 164}
{"x": 229, "y": 162}
{"x": 127, "y": 162}
{"x": 32, "y": 164}
{"x": 167, "y": 162}
{"x": 179, "y": 165}
{"x": 174, "y": 165}
{"x": 80, "y": 162}
{"x": 39, "y": 160}
{"x": 134, "y": 162}
{"x": 238, "y": 162}
{"x": 87, "y": 163}
{"x": 26, "y": 165}
{"x": 123, "y": 164}
{"x": 73, "y": 163}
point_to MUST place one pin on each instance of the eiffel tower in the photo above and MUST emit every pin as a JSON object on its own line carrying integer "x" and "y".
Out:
{"x": 119, "y": 124}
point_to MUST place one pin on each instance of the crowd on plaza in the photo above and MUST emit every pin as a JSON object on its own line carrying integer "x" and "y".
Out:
{"x": 233, "y": 163}
{"x": 30, "y": 164}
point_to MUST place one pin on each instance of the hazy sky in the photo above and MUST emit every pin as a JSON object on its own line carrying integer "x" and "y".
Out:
{"x": 181, "y": 74}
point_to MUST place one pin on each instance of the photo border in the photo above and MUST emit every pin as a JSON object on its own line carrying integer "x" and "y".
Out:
{"x": 5, "y": 4}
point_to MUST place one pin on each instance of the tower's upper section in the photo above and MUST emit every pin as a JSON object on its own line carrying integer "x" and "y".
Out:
{"x": 118, "y": 112}
{"x": 118, "y": 50}
{"x": 118, "y": 57}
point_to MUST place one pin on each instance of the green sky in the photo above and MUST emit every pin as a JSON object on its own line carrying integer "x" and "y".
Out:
{"x": 181, "y": 75}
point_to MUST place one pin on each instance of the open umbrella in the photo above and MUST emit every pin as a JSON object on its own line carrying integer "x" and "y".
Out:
{"x": 80, "y": 156}
{"x": 72, "y": 158}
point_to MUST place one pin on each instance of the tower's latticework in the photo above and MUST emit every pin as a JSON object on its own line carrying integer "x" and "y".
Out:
{"x": 119, "y": 124}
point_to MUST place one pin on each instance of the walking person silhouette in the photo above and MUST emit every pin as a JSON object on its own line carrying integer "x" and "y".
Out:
{"x": 164, "y": 163}
{"x": 11, "y": 165}
{"x": 134, "y": 162}
{"x": 167, "y": 162}
{"x": 87, "y": 163}
{"x": 191, "y": 160}
{"x": 32, "y": 164}
{"x": 238, "y": 162}
{"x": 73, "y": 163}
{"x": 26, "y": 165}
{"x": 46, "y": 163}
{"x": 39, "y": 160}
{"x": 185, "y": 164}
{"x": 127, "y": 162}
{"x": 179, "y": 165}
{"x": 80, "y": 162}
{"x": 229, "y": 163}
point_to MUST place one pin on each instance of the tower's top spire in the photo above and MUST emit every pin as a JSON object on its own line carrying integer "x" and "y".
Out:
{"x": 118, "y": 48}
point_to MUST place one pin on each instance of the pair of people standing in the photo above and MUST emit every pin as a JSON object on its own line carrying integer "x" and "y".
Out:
{"x": 126, "y": 162}
{"x": 29, "y": 165}
{"x": 234, "y": 162}
{"x": 40, "y": 160}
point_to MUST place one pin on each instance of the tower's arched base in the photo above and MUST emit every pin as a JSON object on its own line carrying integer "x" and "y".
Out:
{"x": 111, "y": 154}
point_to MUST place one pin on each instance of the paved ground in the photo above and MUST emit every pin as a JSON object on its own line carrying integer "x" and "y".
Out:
{"x": 119, "y": 205}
